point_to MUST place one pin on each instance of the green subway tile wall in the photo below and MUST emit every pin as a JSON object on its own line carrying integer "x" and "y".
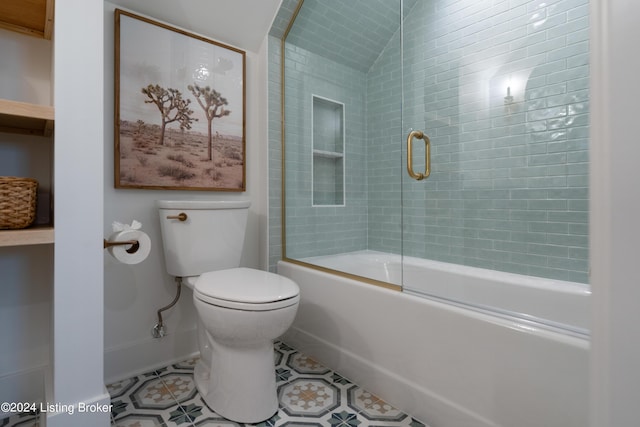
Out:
{"x": 501, "y": 88}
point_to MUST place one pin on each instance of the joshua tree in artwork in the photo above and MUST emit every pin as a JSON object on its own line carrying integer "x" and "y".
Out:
{"x": 171, "y": 106}
{"x": 213, "y": 104}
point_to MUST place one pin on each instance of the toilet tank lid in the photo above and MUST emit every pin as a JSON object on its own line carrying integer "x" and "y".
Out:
{"x": 246, "y": 285}
{"x": 203, "y": 204}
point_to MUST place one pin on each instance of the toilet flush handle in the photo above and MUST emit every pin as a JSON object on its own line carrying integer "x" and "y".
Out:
{"x": 181, "y": 216}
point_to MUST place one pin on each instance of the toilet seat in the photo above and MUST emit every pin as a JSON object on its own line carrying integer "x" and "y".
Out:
{"x": 246, "y": 289}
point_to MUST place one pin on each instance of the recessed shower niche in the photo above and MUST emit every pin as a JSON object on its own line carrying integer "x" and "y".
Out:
{"x": 328, "y": 152}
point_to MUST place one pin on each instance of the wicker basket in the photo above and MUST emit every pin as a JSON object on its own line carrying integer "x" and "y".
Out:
{"x": 17, "y": 202}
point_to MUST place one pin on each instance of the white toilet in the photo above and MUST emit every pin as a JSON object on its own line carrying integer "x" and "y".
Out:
{"x": 240, "y": 310}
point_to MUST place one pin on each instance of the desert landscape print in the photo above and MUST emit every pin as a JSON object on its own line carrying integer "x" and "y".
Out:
{"x": 180, "y": 115}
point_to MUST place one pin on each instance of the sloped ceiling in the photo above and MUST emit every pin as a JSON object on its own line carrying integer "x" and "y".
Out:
{"x": 240, "y": 23}
{"x": 352, "y": 33}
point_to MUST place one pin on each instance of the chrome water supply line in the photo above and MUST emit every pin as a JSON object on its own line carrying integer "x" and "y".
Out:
{"x": 159, "y": 330}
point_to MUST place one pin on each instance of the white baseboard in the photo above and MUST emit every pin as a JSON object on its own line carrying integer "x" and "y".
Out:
{"x": 138, "y": 357}
{"x": 23, "y": 386}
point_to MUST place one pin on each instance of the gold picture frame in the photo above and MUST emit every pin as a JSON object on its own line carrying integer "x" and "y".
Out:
{"x": 179, "y": 109}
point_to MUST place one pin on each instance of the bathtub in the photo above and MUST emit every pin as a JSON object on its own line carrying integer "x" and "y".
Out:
{"x": 553, "y": 304}
{"x": 447, "y": 364}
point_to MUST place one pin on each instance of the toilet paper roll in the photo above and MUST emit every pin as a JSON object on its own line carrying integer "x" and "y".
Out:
{"x": 128, "y": 254}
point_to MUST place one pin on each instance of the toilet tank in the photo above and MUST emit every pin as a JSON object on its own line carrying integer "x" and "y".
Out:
{"x": 210, "y": 238}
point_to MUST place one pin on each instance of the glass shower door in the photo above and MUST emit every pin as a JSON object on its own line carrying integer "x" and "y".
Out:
{"x": 495, "y": 150}
{"x": 342, "y": 113}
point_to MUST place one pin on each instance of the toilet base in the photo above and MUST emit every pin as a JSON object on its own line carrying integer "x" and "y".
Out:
{"x": 240, "y": 385}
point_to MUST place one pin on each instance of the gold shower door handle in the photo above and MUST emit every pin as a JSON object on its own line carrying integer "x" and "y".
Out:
{"x": 427, "y": 155}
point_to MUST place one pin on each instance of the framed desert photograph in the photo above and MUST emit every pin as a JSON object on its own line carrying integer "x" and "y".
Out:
{"x": 179, "y": 109}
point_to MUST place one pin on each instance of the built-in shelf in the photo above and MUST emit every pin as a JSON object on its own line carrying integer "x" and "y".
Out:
{"x": 32, "y": 17}
{"x": 31, "y": 119}
{"x": 328, "y": 154}
{"x": 26, "y": 236}
{"x": 26, "y": 118}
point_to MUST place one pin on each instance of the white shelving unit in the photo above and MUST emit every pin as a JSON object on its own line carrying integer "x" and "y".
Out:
{"x": 30, "y": 19}
{"x": 33, "y": 18}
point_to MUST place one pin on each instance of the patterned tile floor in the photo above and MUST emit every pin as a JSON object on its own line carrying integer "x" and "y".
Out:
{"x": 310, "y": 394}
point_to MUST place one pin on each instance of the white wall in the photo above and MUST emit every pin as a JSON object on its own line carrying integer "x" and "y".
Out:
{"x": 77, "y": 326}
{"x": 25, "y": 71}
{"x": 133, "y": 293}
{"x": 615, "y": 209}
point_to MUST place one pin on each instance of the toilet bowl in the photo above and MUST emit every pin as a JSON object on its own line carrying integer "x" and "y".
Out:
{"x": 241, "y": 311}
{"x": 235, "y": 374}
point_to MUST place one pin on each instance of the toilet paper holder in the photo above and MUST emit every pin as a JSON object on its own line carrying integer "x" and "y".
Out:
{"x": 135, "y": 245}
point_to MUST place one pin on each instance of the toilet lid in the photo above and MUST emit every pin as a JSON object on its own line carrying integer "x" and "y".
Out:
{"x": 246, "y": 285}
